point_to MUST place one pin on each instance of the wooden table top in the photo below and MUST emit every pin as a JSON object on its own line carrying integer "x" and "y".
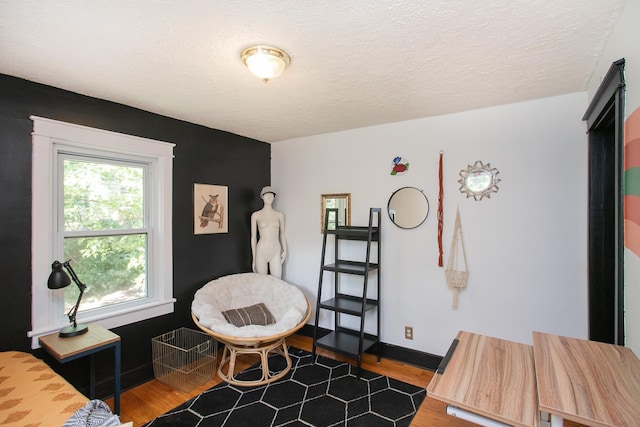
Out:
{"x": 491, "y": 377}
{"x": 587, "y": 382}
{"x": 63, "y": 348}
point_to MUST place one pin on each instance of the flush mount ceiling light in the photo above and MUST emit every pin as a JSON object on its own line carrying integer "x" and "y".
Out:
{"x": 266, "y": 62}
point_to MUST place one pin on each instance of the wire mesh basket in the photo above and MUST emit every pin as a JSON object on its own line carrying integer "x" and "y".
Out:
{"x": 184, "y": 358}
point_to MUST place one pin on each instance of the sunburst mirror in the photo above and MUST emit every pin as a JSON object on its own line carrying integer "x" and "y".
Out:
{"x": 479, "y": 180}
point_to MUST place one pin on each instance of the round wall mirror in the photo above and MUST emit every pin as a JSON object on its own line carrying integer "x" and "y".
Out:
{"x": 408, "y": 207}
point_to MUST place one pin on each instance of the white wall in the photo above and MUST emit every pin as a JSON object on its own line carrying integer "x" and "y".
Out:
{"x": 526, "y": 245}
{"x": 623, "y": 43}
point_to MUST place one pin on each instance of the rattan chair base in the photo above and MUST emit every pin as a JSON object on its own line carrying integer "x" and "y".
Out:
{"x": 226, "y": 369}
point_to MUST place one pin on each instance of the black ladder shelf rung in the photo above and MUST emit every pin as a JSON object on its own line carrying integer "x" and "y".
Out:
{"x": 351, "y": 267}
{"x": 346, "y": 342}
{"x": 348, "y": 232}
{"x": 349, "y": 304}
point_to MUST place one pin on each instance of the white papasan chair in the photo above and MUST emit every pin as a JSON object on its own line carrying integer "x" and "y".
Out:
{"x": 288, "y": 305}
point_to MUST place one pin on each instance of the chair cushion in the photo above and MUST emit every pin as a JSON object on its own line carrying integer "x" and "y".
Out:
{"x": 286, "y": 302}
{"x": 257, "y": 314}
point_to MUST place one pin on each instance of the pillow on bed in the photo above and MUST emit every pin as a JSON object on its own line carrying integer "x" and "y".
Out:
{"x": 257, "y": 314}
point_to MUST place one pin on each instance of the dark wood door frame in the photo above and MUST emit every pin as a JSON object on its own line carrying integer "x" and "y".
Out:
{"x": 605, "y": 125}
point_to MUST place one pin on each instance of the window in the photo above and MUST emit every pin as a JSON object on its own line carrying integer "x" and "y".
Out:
{"x": 103, "y": 201}
{"x": 103, "y": 228}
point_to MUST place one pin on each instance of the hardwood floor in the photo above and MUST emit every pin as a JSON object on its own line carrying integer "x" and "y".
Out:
{"x": 145, "y": 402}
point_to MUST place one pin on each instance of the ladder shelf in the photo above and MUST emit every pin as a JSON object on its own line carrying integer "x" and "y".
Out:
{"x": 350, "y": 341}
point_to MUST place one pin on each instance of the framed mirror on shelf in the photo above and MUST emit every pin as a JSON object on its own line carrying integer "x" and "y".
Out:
{"x": 479, "y": 180}
{"x": 408, "y": 207}
{"x": 340, "y": 201}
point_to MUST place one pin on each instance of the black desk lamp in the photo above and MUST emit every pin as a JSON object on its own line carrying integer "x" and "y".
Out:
{"x": 58, "y": 279}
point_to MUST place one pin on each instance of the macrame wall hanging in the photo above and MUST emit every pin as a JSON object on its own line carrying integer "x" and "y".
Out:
{"x": 456, "y": 271}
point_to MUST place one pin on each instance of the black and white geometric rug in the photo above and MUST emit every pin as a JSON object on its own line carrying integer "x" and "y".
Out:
{"x": 325, "y": 393}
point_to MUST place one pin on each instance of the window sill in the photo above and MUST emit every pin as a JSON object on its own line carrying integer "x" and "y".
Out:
{"x": 113, "y": 319}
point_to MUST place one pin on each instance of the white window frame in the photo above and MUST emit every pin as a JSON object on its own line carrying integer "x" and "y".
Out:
{"x": 51, "y": 137}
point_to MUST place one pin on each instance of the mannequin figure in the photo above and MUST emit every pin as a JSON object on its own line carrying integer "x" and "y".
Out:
{"x": 270, "y": 251}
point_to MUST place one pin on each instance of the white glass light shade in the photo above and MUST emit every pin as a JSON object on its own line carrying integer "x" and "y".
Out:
{"x": 264, "y": 61}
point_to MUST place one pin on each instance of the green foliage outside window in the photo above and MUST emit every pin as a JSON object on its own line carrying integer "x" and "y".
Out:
{"x": 104, "y": 231}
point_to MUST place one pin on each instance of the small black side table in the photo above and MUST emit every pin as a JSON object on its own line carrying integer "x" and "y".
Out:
{"x": 94, "y": 340}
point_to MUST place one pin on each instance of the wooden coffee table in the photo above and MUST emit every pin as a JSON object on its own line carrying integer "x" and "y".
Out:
{"x": 588, "y": 382}
{"x": 488, "y": 379}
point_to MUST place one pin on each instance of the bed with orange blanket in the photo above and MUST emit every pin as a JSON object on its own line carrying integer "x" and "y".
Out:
{"x": 32, "y": 394}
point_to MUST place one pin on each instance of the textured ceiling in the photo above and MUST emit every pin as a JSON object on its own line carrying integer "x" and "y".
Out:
{"x": 354, "y": 63}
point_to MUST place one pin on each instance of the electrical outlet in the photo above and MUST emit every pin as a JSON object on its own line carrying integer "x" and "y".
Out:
{"x": 408, "y": 332}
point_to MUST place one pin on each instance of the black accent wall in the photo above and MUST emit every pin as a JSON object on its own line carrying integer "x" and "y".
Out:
{"x": 202, "y": 155}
